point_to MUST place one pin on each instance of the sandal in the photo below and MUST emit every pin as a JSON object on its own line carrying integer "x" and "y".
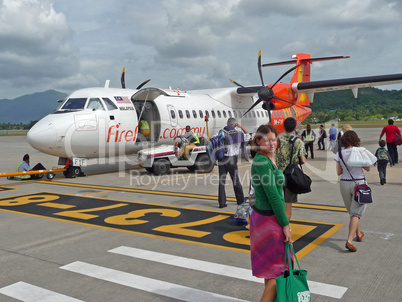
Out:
{"x": 350, "y": 247}
{"x": 360, "y": 238}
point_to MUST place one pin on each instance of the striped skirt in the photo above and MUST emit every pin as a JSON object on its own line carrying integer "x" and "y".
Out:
{"x": 267, "y": 246}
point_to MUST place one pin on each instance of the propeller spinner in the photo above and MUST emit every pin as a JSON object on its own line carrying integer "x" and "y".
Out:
{"x": 265, "y": 94}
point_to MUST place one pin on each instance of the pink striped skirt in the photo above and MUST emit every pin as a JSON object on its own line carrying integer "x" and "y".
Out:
{"x": 267, "y": 246}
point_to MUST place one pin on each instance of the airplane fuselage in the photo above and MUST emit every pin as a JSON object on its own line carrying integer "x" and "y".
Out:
{"x": 104, "y": 122}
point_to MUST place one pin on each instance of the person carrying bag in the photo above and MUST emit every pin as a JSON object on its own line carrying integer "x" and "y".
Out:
{"x": 290, "y": 152}
{"x": 292, "y": 285}
{"x": 352, "y": 183}
{"x": 362, "y": 191}
{"x": 361, "y": 157}
{"x": 295, "y": 179}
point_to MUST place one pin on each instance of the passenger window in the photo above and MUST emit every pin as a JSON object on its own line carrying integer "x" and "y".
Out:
{"x": 95, "y": 104}
{"x": 224, "y": 113}
{"x": 213, "y": 113}
{"x": 188, "y": 114}
{"x": 172, "y": 114}
{"x": 258, "y": 114}
{"x": 266, "y": 113}
{"x": 195, "y": 114}
{"x": 180, "y": 114}
{"x": 234, "y": 113}
{"x": 254, "y": 114}
{"x": 230, "y": 113}
{"x": 109, "y": 104}
{"x": 207, "y": 113}
{"x": 201, "y": 114}
{"x": 219, "y": 114}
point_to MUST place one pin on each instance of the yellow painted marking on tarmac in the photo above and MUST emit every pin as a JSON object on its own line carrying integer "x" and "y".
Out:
{"x": 130, "y": 189}
{"x": 180, "y": 228}
{"x": 95, "y": 193}
{"x": 312, "y": 245}
{"x": 133, "y": 232}
{"x": 300, "y": 230}
{"x": 131, "y": 218}
{"x": 319, "y": 207}
{"x": 79, "y": 213}
{"x": 299, "y": 254}
{"x": 23, "y": 200}
{"x": 239, "y": 237}
{"x": 136, "y": 190}
{"x": 56, "y": 205}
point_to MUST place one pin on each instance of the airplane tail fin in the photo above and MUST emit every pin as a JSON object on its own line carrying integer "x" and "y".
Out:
{"x": 302, "y": 72}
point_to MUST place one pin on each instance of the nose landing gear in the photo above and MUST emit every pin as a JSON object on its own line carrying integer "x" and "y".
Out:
{"x": 73, "y": 171}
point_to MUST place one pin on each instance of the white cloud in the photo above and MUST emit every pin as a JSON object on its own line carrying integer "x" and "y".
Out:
{"x": 190, "y": 44}
{"x": 33, "y": 43}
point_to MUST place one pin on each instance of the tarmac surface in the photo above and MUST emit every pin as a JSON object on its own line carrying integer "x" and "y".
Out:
{"x": 122, "y": 234}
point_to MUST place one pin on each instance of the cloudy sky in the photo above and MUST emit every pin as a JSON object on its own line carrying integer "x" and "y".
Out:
{"x": 67, "y": 45}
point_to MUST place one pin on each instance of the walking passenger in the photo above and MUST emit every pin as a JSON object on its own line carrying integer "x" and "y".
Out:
{"x": 282, "y": 157}
{"x": 322, "y": 134}
{"x": 233, "y": 140}
{"x": 347, "y": 186}
{"x": 390, "y": 132}
{"x": 383, "y": 158}
{"x": 332, "y": 136}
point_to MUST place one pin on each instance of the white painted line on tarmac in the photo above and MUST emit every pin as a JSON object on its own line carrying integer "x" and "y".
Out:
{"x": 30, "y": 293}
{"x": 317, "y": 288}
{"x": 158, "y": 287}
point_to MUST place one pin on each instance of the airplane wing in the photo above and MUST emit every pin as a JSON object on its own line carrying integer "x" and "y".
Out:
{"x": 341, "y": 84}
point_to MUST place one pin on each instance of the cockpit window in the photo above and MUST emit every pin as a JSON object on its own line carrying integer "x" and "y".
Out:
{"x": 74, "y": 104}
{"x": 95, "y": 104}
{"x": 109, "y": 104}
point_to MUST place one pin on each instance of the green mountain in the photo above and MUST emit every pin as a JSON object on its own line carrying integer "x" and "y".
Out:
{"x": 372, "y": 103}
{"x": 30, "y": 107}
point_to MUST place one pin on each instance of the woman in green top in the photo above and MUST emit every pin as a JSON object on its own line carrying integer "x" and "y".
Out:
{"x": 269, "y": 225}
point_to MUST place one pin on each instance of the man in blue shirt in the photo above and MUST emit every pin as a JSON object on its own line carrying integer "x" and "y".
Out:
{"x": 234, "y": 141}
{"x": 24, "y": 166}
{"x": 332, "y": 136}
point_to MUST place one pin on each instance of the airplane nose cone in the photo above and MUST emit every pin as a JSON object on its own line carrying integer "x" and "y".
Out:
{"x": 42, "y": 136}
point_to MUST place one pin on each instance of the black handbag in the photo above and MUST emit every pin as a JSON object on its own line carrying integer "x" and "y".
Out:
{"x": 295, "y": 179}
{"x": 363, "y": 194}
{"x": 363, "y": 191}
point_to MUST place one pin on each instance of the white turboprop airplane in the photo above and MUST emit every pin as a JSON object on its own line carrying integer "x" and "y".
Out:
{"x": 104, "y": 122}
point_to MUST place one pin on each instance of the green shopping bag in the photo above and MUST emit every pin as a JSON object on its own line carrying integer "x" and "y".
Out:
{"x": 292, "y": 285}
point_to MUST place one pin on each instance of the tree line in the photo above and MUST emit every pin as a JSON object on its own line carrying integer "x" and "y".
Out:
{"x": 10, "y": 126}
{"x": 371, "y": 104}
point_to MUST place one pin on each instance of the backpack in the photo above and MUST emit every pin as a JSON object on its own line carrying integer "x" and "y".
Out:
{"x": 216, "y": 146}
{"x": 295, "y": 179}
{"x": 325, "y": 134}
{"x": 382, "y": 154}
